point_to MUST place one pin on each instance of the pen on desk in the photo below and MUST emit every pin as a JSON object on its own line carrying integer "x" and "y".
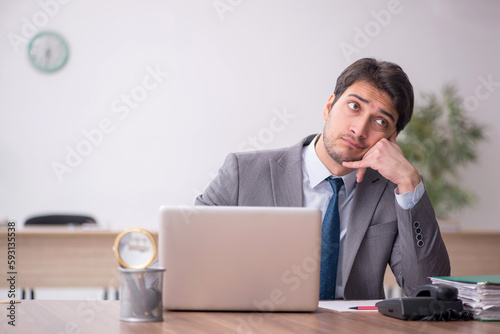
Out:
{"x": 9, "y": 301}
{"x": 364, "y": 308}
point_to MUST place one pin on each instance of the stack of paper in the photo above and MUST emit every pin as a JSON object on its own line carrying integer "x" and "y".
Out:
{"x": 480, "y": 294}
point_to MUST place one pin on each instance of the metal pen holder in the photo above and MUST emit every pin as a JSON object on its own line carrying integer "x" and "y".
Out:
{"x": 141, "y": 294}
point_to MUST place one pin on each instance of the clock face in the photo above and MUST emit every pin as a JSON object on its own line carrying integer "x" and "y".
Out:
{"x": 48, "y": 51}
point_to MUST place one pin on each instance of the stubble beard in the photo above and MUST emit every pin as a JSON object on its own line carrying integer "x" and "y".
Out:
{"x": 337, "y": 155}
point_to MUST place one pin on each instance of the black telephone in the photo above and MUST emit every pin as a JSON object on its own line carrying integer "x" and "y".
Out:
{"x": 429, "y": 302}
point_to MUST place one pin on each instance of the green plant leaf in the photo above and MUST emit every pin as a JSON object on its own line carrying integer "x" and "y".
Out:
{"x": 441, "y": 139}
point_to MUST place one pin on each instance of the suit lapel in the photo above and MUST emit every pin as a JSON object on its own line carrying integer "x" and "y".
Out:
{"x": 365, "y": 202}
{"x": 286, "y": 179}
{"x": 286, "y": 175}
{"x": 287, "y": 184}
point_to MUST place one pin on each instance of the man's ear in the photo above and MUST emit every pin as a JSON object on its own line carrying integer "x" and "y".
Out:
{"x": 393, "y": 137}
{"x": 328, "y": 106}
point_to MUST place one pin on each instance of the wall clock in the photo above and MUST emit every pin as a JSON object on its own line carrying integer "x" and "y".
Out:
{"x": 48, "y": 51}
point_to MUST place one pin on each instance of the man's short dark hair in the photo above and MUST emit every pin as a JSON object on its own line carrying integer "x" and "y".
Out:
{"x": 387, "y": 77}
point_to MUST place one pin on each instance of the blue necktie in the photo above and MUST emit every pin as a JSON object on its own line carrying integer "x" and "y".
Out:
{"x": 330, "y": 239}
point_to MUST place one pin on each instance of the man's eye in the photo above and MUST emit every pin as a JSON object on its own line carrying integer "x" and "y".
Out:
{"x": 353, "y": 106}
{"x": 382, "y": 122}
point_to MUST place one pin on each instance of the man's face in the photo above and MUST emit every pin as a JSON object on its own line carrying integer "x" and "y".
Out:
{"x": 360, "y": 118}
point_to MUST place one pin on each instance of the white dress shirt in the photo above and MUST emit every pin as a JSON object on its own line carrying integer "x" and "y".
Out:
{"x": 317, "y": 192}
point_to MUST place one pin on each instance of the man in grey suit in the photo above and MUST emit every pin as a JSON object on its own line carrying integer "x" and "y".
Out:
{"x": 386, "y": 216}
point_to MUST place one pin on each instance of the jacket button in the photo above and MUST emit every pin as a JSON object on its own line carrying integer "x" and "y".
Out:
{"x": 416, "y": 224}
{"x": 420, "y": 243}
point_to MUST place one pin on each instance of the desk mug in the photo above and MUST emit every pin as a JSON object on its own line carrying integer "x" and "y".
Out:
{"x": 141, "y": 294}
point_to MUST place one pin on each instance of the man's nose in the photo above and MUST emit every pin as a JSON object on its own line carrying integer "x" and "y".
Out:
{"x": 360, "y": 127}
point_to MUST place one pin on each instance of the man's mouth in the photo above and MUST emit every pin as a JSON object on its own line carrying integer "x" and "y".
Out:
{"x": 353, "y": 143}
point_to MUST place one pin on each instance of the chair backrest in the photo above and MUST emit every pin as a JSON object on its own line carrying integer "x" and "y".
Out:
{"x": 60, "y": 220}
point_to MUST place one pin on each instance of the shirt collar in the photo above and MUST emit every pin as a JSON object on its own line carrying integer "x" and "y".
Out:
{"x": 318, "y": 172}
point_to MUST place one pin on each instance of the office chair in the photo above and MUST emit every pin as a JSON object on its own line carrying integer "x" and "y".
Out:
{"x": 60, "y": 220}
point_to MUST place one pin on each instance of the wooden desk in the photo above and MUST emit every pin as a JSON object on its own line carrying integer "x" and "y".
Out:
{"x": 48, "y": 256}
{"x": 49, "y": 316}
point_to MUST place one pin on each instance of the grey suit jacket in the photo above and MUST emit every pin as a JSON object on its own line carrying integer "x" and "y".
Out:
{"x": 379, "y": 232}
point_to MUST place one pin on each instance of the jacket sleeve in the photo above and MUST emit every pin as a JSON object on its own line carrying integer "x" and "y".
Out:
{"x": 223, "y": 190}
{"x": 419, "y": 251}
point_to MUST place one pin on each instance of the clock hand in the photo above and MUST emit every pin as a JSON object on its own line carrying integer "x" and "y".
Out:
{"x": 47, "y": 56}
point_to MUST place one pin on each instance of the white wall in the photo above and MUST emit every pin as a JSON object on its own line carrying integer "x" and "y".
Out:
{"x": 230, "y": 74}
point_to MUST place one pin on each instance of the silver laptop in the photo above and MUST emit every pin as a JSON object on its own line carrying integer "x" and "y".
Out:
{"x": 240, "y": 258}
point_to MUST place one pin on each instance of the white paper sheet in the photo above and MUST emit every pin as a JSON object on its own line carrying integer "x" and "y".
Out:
{"x": 344, "y": 305}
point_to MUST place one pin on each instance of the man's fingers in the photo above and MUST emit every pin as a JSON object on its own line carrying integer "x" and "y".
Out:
{"x": 360, "y": 174}
{"x": 359, "y": 165}
{"x": 352, "y": 164}
{"x": 383, "y": 157}
{"x": 356, "y": 164}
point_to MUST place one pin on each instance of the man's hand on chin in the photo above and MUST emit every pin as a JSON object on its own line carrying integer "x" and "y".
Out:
{"x": 387, "y": 158}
